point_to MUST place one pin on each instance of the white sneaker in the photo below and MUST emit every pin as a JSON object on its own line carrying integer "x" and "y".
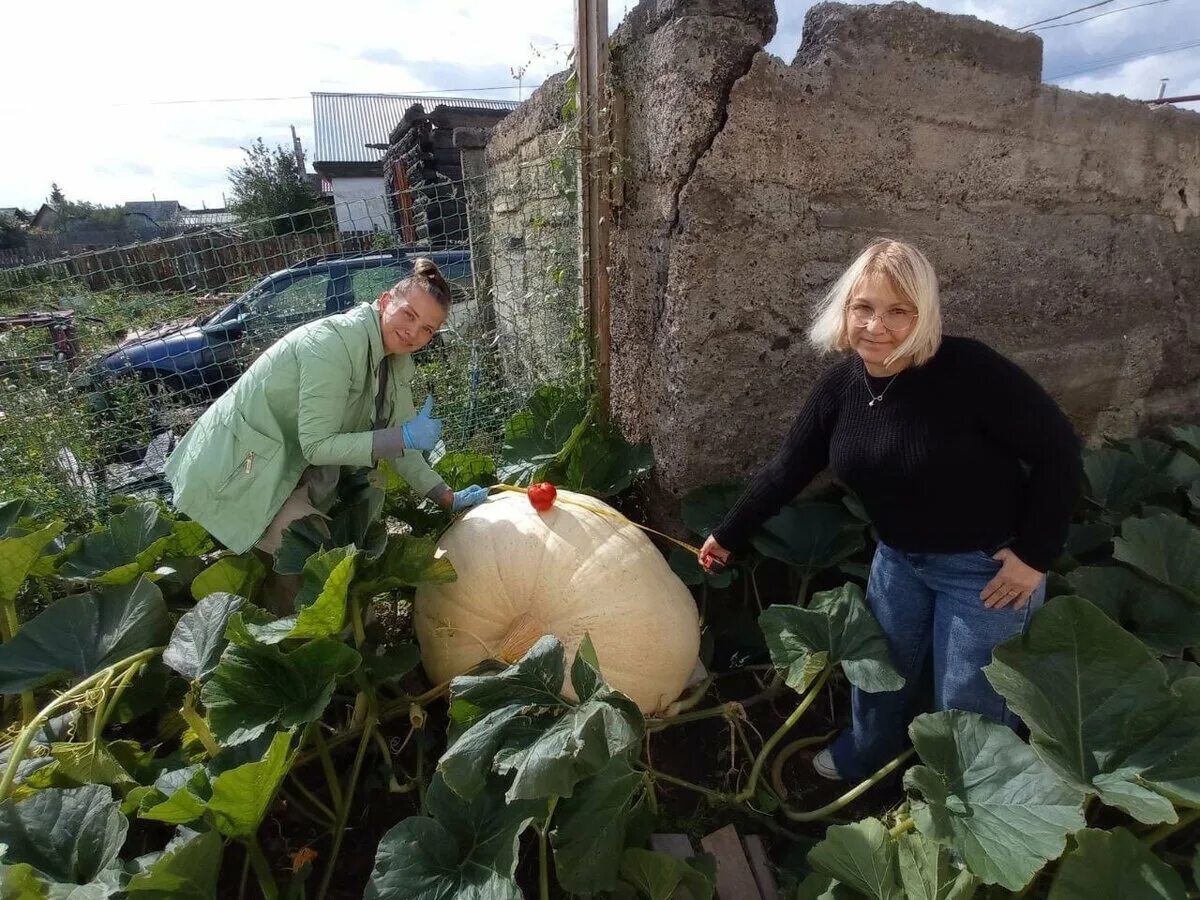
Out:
{"x": 823, "y": 765}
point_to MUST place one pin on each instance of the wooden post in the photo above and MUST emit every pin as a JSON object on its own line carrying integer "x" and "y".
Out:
{"x": 471, "y": 143}
{"x": 591, "y": 61}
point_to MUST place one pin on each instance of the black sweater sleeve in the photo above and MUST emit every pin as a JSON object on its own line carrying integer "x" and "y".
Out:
{"x": 1017, "y": 413}
{"x": 804, "y": 453}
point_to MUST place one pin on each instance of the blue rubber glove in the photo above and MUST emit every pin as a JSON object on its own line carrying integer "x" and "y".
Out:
{"x": 468, "y": 497}
{"x": 423, "y": 431}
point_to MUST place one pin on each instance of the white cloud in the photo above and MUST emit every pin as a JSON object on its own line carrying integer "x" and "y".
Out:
{"x": 87, "y": 110}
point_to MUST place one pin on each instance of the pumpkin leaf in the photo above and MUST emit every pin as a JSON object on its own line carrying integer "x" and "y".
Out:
{"x": 810, "y": 536}
{"x": 533, "y": 437}
{"x": 301, "y": 539}
{"x": 132, "y": 543}
{"x": 12, "y": 512}
{"x": 237, "y": 575}
{"x": 987, "y": 796}
{"x": 407, "y": 561}
{"x": 837, "y": 627}
{"x": 861, "y": 856}
{"x": 89, "y": 762}
{"x": 242, "y": 795}
{"x": 68, "y": 836}
{"x": 178, "y": 797}
{"x": 463, "y": 849}
{"x": 1093, "y": 697}
{"x": 199, "y": 637}
{"x": 255, "y": 685}
{"x": 517, "y": 722}
{"x": 705, "y": 508}
{"x": 1118, "y": 482}
{"x": 18, "y": 553}
{"x": 1164, "y": 621}
{"x": 1164, "y": 548}
{"x": 186, "y": 870}
{"x": 1187, "y": 437}
{"x": 926, "y": 872}
{"x": 592, "y": 827}
{"x": 396, "y": 663}
{"x": 603, "y": 464}
{"x": 320, "y": 604}
{"x": 1085, "y": 537}
{"x": 656, "y": 876}
{"x": 1170, "y": 761}
{"x": 1177, "y": 467}
{"x": 1114, "y": 865}
{"x": 461, "y": 469}
{"x": 83, "y": 633}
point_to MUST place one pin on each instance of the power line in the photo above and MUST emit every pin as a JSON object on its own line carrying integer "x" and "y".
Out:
{"x": 1064, "y": 15}
{"x": 1118, "y": 60}
{"x": 1099, "y": 15}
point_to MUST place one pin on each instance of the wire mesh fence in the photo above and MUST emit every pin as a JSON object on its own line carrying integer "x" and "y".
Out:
{"x": 107, "y": 357}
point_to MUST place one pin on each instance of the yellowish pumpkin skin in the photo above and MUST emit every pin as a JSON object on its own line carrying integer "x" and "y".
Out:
{"x": 578, "y": 568}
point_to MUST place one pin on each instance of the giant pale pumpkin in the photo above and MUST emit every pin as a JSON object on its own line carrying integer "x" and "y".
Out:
{"x": 576, "y": 569}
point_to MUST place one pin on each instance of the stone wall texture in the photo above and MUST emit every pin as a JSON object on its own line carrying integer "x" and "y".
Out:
{"x": 1065, "y": 227}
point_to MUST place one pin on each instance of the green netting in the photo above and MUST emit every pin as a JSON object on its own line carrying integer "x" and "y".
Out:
{"x": 107, "y": 356}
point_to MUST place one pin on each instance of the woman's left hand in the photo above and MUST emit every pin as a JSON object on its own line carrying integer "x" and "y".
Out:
{"x": 1013, "y": 585}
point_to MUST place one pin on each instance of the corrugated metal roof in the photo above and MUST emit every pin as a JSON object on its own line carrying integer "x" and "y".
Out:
{"x": 346, "y": 123}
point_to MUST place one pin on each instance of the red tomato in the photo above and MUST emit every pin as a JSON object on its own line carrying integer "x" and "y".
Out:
{"x": 541, "y": 495}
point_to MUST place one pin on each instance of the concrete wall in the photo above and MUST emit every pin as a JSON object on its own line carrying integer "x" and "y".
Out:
{"x": 533, "y": 218}
{"x": 1065, "y": 227}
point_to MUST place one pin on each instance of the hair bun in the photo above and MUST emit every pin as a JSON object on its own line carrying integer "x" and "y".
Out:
{"x": 423, "y": 265}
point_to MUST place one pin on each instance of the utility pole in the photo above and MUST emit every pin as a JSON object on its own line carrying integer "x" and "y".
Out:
{"x": 1162, "y": 88}
{"x": 299, "y": 152}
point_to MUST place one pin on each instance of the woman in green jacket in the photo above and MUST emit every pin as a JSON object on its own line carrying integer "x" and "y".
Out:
{"x": 331, "y": 393}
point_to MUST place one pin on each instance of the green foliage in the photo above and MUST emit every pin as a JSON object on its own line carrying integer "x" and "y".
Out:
{"x": 837, "y": 628}
{"x": 269, "y": 185}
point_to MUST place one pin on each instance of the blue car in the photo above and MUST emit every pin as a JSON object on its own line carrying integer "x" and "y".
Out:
{"x": 194, "y": 361}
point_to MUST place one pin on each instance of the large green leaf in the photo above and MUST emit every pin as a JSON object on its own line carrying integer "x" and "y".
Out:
{"x": 67, "y": 835}
{"x": 810, "y": 536}
{"x": 1177, "y": 467}
{"x": 199, "y": 637}
{"x": 462, "y": 469}
{"x": 861, "y": 856}
{"x": 1170, "y": 760}
{"x": 238, "y": 575}
{"x": 837, "y": 627}
{"x": 18, "y": 553}
{"x": 83, "y": 633}
{"x": 320, "y": 604}
{"x": 1165, "y": 548}
{"x": 986, "y": 795}
{"x": 533, "y": 437}
{"x": 603, "y": 463}
{"x": 255, "y": 685}
{"x": 705, "y": 508}
{"x": 592, "y": 826}
{"x": 465, "y": 850}
{"x": 178, "y": 797}
{"x": 656, "y": 876}
{"x": 131, "y": 543}
{"x": 407, "y": 561}
{"x": 1118, "y": 482}
{"x": 186, "y": 870}
{"x": 926, "y": 872}
{"x": 12, "y": 512}
{"x": 1166, "y": 622}
{"x": 1092, "y": 695}
{"x": 1114, "y": 865}
{"x": 242, "y": 795}
{"x": 516, "y": 721}
{"x": 88, "y": 762}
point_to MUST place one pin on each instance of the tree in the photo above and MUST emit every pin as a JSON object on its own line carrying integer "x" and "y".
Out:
{"x": 57, "y": 198}
{"x": 12, "y": 233}
{"x": 270, "y": 186}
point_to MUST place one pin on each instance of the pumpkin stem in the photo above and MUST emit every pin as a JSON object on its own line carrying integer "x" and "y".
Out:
{"x": 522, "y": 634}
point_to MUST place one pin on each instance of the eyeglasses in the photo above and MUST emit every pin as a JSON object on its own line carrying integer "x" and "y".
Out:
{"x": 862, "y": 316}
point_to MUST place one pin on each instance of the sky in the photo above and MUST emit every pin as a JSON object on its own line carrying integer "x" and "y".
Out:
{"x": 119, "y": 101}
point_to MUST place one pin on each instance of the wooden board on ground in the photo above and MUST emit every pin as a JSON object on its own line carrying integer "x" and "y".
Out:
{"x": 760, "y": 865}
{"x": 678, "y": 846}
{"x": 735, "y": 880}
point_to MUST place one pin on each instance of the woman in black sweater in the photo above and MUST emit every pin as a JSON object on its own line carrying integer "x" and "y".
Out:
{"x": 967, "y": 467}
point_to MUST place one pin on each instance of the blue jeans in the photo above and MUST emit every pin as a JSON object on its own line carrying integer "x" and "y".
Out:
{"x": 929, "y": 601}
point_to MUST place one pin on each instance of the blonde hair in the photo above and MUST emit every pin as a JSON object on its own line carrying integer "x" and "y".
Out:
{"x": 910, "y": 275}
{"x": 426, "y": 276}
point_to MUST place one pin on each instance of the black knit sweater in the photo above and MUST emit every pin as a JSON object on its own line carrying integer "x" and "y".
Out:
{"x": 966, "y": 452}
